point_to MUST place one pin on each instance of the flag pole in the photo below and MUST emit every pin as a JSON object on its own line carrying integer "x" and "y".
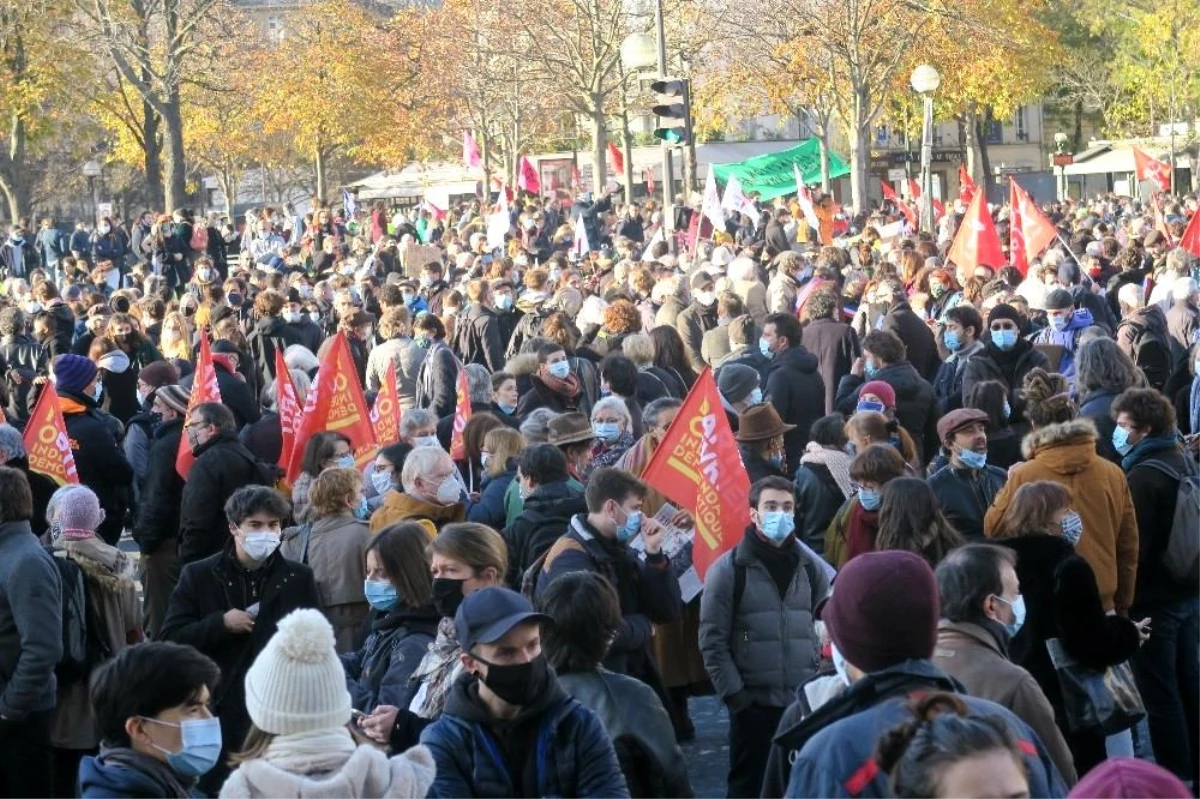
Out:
{"x": 1067, "y": 247}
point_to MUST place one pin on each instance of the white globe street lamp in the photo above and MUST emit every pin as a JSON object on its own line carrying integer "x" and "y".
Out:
{"x": 639, "y": 51}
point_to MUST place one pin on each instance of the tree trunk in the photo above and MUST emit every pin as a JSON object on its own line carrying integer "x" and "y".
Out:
{"x": 14, "y": 178}
{"x": 983, "y": 176}
{"x": 175, "y": 173}
{"x": 859, "y": 133}
{"x": 320, "y": 172}
{"x": 599, "y": 145}
{"x": 1077, "y": 133}
{"x": 152, "y": 139}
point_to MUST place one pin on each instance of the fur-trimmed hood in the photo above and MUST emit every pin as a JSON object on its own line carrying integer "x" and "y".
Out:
{"x": 1066, "y": 447}
{"x": 107, "y": 566}
{"x": 522, "y": 364}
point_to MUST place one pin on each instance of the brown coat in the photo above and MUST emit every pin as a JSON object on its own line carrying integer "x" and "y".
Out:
{"x": 1066, "y": 454}
{"x": 971, "y": 654}
{"x": 398, "y": 507}
{"x": 337, "y": 548}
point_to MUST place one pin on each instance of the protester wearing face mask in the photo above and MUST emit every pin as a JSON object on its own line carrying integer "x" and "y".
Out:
{"x": 760, "y": 436}
{"x": 611, "y": 424}
{"x": 222, "y": 465}
{"x": 323, "y": 451}
{"x": 982, "y": 610}
{"x": 966, "y": 486}
{"x": 1062, "y": 600}
{"x": 432, "y": 490}
{"x": 854, "y": 528}
{"x": 158, "y": 735}
{"x": 228, "y": 604}
{"x": 1006, "y": 357}
{"x": 1066, "y": 325}
{"x": 24, "y": 359}
{"x": 698, "y": 318}
{"x": 764, "y": 591}
{"x": 99, "y": 460}
{"x": 332, "y": 545}
{"x": 599, "y": 542}
{"x": 553, "y": 385}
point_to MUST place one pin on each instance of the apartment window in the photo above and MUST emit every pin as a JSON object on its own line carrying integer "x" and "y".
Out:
{"x": 994, "y": 133}
{"x": 1022, "y": 130}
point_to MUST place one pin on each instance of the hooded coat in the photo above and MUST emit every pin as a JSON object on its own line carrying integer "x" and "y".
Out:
{"x": 794, "y": 386}
{"x": 1066, "y": 453}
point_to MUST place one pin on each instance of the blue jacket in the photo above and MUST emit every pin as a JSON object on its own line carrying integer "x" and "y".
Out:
{"x": 573, "y": 754}
{"x": 837, "y": 742}
{"x": 378, "y": 674}
{"x": 52, "y": 246}
{"x": 489, "y": 509}
{"x": 100, "y": 778}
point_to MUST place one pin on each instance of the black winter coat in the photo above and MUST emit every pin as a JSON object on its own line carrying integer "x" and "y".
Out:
{"x": 915, "y": 407}
{"x": 1008, "y": 368}
{"x": 836, "y": 346}
{"x": 544, "y": 519}
{"x": 271, "y": 333}
{"x": 21, "y": 360}
{"x": 379, "y": 672}
{"x": 966, "y": 494}
{"x": 222, "y": 466}
{"x": 207, "y": 589}
{"x": 796, "y": 389}
{"x": 478, "y": 338}
{"x": 162, "y": 490}
{"x": 235, "y": 395}
{"x": 1155, "y": 495}
{"x": 917, "y": 337}
{"x": 264, "y": 438}
{"x": 437, "y": 381}
{"x": 100, "y": 461}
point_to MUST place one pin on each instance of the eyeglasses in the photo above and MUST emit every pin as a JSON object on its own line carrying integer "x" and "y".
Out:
{"x": 190, "y": 425}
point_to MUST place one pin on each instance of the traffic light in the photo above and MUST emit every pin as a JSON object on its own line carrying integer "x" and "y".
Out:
{"x": 674, "y": 111}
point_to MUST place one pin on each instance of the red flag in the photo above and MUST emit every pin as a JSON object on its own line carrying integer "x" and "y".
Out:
{"x": 976, "y": 242}
{"x": 890, "y": 194}
{"x": 1149, "y": 168}
{"x": 1190, "y": 240}
{"x": 648, "y": 176}
{"x": 1030, "y": 232}
{"x": 287, "y": 403}
{"x": 471, "y": 159}
{"x": 335, "y": 404}
{"x": 939, "y": 210}
{"x": 204, "y": 389}
{"x": 618, "y": 160}
{"x": 462, "y": 412}
{"x": 697, "y": 466}
{"x": 385, "y": 415}
{"x": 437, "y": 213}
{"x": 527, "y": 177}
{"x": 914, "y": 189}
{"x": 966, "y": 186}
{"x": 47, "y": 445}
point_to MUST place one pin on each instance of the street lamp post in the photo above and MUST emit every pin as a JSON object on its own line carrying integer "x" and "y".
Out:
{"x": 1061, "y": 159}
{"x": 92, "y": 171}
{"x": 641, "y": 51}
{"x": 925, "y": 81}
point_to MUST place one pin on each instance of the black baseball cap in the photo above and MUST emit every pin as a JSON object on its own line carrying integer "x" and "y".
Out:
{"x": 489, "y": 614}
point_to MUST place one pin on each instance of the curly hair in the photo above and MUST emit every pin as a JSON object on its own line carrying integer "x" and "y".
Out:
{"x": 1046, "y": 398}
{"x": 886, "y": 344}
{"x": 822, "y": 304}
{"x": 559, "y": 328}
{"x": 1147, "y": 408}
{"x": 333, "y": 490}
{"x": 622, "y": 316}
{"x": 1101, "y": 365}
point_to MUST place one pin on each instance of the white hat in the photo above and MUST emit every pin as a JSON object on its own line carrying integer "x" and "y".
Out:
{"x": 297, "y": 683}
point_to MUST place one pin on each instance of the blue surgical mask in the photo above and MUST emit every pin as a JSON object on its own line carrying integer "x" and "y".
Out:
{"x": 867, "y": 405}
{"x": 509, "y": 409}
{"x": 1059, "y": 323}
{"x": 201, "y": 748}
{"x": 381, "y": 482}
{"x": 776, "y": 525}
{"x": 1018, "y": 609}
{"x": 951, "y": 340}
{"x": 868, "y": 499}
{"x": 606, "y": 431}
{"x": 1004, "y": 339}
{"x": 1072, "y": 528}
{"x": 776, "y": 459}
{"x": 972, "y": 459}
{"x": 764, "y": 347}
{"x": 380, "y": 595}
{"x": 363, "y": 511}
{"x": 756, "y": 396}
{"x": 631, "y": 527}
{"x": 344, "y": 461}
{"x": 1120, "y": 440}
{"x": 504, "y": 301}
{"x": 1007, "y": 410}
{"x": 870, "y": 369}
{"x": 560, "y": 369}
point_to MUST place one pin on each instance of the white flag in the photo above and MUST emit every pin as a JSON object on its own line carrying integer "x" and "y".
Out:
{"x": 655, "y": 239}
{"x": 802, "y": 197}
{"x": 711, "y": 204}
{"x": 736, "y": 200}
{"x": 581, "y": 244}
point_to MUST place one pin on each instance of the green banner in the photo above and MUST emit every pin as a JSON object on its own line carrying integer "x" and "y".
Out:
{"x": 772, "y": 175}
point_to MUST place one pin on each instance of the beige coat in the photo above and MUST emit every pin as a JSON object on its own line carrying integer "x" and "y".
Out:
{"x": 337, "y": 548}
{"x": 113, "y": 593}
{"x": 971, "y": 654}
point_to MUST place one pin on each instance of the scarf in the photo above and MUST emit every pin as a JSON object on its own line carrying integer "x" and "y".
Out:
{"x": 568, "y": 388}
{"x": 1148, "y": 447}
{"x": 18, "y": 247}
{"x": 608, "y": 453}
{"x": 152, "y": 767}
{"x": 1194, "y": 405}
{"x": 312, "y": 752}
{"x": 780, "y": 561}
{"x": 861, "y": 529}
{"x": 835, "y": 460}
{"x": 436, "y": 670}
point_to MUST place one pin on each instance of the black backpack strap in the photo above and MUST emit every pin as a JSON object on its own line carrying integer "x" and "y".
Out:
{"x": 739, "y": 586}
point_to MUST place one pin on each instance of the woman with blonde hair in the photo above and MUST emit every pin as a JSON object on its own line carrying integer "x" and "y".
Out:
{"x": 175, "y": 341}
{"x": 501, "y": 448}
{"x": 871, "y": 427}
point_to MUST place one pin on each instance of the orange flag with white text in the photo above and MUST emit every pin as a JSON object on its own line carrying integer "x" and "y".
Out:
{"x": 204, "y": 389}
{"x": 385, "y": 414}
{"x": 698, "y": 467}
{"x": 46, "y": 440}
{"x": 335, "y": 404}
{"x": 287, "y": 403}
{"x": 462, "y": 412}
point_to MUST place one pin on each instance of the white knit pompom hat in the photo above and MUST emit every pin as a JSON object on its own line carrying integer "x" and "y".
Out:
{"x": 297, "y": 683}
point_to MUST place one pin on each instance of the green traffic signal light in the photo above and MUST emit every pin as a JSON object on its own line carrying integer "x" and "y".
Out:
{"x": 673, "y": 136}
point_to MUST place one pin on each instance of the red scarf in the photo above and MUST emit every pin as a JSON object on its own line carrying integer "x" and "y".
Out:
{"x": 861, "y": 528}
{"x": 568, "y": 388}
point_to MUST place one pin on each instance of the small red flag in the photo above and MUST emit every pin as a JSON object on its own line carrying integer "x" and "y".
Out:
{"x": 966, "y": 186}
{"x": 890, "y": 195}
{"x": 698, "y": 467}
{"x": 385, "y": 415}
{"x": 527, "y": 177}
{"x": 462, "y": 412}
{"x": 204, "y": 389}
{"x": 939, "y": 210}
{"x": 1030, "y": 232}
{"x": 437, "y": 213}
{"x": 287, "y": 403}
{"x": 336, "y": 404}
{"x": 1190, "y": 240}
{"x": 471, "y": 159}
{"x": 648, "y": 176}
{"x": 976, "y": 242}
{"x": 618, "y": 160}
{"x": 47, "y": 444}
{"x": 1149, "y": 168}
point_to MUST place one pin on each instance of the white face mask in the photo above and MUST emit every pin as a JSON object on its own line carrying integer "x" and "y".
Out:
{"x": 426, "y": 441}
{"x": 258, "y": 546}
{"x": 449, "y": 491}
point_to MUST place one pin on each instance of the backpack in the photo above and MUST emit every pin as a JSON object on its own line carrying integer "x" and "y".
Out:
{"x": 199, "y": 240}
{"x": 1182, "y": 556}
{"x": 1151, "y": 354}
{"x": 83, "y": 643}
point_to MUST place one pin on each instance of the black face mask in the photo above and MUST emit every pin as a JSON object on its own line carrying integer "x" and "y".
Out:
{"x": 447, "y": 596}
{"x": 515, "y": 684}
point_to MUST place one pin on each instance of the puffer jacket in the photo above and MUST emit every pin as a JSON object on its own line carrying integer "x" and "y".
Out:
{"x": 478, "y": 339}
{"x": 378, "y": 674}
{"x": 1066, "y": 454}
{"x": 766, "y": 645}
{"x": 21, "y": 360}
{"x": 572, "y": 757}
{"x": 916, "y": 409}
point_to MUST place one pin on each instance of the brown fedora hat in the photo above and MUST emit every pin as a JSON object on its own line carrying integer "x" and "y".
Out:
{"x": 570, "y": 428}
{"x": 760, "y": 422}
